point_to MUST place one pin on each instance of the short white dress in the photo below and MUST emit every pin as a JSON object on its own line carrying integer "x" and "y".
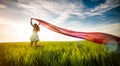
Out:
{"x": 34, "y": 36}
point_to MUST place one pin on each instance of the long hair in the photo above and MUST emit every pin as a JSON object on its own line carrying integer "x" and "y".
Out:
{"x": 36, "y": 27}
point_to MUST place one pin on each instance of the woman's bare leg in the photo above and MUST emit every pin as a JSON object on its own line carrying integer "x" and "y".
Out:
{"x": 31, "y": 43}
{"x": 36, "y": 43}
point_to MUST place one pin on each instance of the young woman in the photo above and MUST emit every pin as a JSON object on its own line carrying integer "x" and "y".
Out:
{"x": 34, "y": 37}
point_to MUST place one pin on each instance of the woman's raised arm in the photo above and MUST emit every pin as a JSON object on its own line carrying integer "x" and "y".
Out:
{"x": 31, "y": 21}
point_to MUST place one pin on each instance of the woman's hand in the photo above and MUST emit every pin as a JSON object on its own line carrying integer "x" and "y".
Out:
{"x": 31, "y": 18}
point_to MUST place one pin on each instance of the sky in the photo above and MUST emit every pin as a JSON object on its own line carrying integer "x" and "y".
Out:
{"x": 77, "y": 15}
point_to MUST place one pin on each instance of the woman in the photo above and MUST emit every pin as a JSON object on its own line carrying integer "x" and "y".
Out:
{"x": 34, "y": 37}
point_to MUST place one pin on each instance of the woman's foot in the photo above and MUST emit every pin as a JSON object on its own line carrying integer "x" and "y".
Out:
{"x": 41, "y": 46}
{"x": 37, "y": 45}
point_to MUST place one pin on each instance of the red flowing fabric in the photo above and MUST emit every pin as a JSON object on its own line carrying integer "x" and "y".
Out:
{"x": 98, "y": 37}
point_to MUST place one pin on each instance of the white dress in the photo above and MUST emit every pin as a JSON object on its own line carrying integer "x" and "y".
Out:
{"x": 34, "y": 36}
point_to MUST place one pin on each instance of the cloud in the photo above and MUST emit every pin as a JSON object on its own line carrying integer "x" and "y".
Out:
{"x": 100, "y": 9}
{"x": 82, "y": 13}
{"x": 63, "y": 16}
{"x": 49, "y": 8}
{"x": 2, "y": 6}
{"x": 15, "y": 14}
{"x": 113, "y": 29}
{"x": 44, "y": 9}
{"x": 7, "y": 29}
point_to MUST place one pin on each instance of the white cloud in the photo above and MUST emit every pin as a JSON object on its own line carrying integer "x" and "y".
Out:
{"x": 6, "y": 30}
{"x": 108, "y": 5}
{"x": 19, "y": 19}
{"x": 49, "y": 8}
{"x": 45, "y": 8}
{"x": 113, "y": 29}
{"x": 98, "y": 10}
{"x": 63, "y": 16}
{"x": 3, "y": 6}
{"x": 81, "y": 13}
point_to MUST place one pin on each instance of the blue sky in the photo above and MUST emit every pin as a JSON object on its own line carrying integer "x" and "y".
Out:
{"x": 78, "y": 15}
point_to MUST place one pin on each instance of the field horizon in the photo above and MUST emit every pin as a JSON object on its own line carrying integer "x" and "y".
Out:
{"x": 57, "y": 53}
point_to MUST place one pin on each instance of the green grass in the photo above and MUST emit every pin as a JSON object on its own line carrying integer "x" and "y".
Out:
{"x": 74, "y": 53}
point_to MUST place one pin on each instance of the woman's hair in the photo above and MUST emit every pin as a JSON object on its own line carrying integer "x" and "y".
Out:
{"x": 36, "y": 27}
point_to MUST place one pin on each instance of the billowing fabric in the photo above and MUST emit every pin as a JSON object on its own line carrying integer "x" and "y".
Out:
{"x": 98, "y": 37}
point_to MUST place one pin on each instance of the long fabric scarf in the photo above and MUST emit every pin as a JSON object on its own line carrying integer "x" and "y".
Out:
{"x": 97, "y": 37}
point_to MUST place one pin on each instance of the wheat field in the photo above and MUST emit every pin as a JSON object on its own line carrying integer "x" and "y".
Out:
{"x": 67, "y": 53}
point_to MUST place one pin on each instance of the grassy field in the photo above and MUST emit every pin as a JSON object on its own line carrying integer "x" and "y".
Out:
{"x": 76, "y": 53}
